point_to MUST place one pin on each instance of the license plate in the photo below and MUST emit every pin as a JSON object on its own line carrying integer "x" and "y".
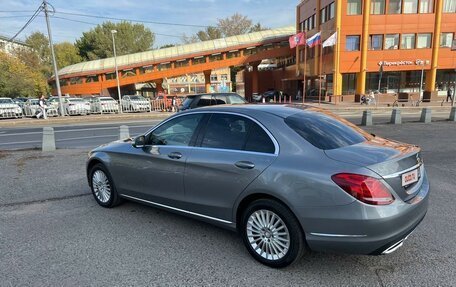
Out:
{"x": 410, "y": 177}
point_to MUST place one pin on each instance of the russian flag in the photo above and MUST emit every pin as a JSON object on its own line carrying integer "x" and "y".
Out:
{"x": 314, "y": 40}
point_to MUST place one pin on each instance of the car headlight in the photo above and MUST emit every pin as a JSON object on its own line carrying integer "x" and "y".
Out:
{"x": 19, "y": 110}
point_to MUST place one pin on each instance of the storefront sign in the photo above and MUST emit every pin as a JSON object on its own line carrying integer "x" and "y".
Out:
{"x": 417, "y": 62}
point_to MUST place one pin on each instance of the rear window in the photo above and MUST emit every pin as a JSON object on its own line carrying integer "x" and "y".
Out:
{"x": 188, "y": 101}
{"x": 325, "y": 132}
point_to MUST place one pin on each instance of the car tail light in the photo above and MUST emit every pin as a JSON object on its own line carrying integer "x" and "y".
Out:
{"x": 364, "y": 188}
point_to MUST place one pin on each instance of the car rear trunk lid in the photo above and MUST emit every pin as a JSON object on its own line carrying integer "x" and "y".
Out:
{"x": 389, "y": 159}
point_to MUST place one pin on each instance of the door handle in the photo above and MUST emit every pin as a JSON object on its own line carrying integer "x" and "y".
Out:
{"x": 175, "y": 155}
{"x": 245, "y": 164}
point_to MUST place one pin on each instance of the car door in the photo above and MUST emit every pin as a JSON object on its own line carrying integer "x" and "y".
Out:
{"x": 155, "y": 172}
{"x": 231, "y": 151}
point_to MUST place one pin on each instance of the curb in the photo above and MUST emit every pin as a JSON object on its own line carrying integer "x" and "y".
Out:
{"x": 29, "y": 122}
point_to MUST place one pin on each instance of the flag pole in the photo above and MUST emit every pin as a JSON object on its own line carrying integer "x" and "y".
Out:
{"x": 335, "y": 70}
{"x": 304, "y": 74}
{"x": 320, "y": 70}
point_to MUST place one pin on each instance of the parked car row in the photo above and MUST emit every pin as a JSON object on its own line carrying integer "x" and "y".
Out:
{"x": 20, "y": 107}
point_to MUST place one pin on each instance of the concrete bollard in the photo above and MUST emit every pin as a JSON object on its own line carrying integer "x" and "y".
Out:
{"x": 453, "y": 114}
{"x": 396, "y": 117}
{"x": 426, "y": 115}
{"x": 367, "y": 118}
{"x": 124, "y": 132}
{"x": 48, "y": 139}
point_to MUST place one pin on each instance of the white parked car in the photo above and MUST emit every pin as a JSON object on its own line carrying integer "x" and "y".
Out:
{"x": 104, "y": 105}
{"x": 76, "y": 106}
{"x": 9, "y": 109}
{"x": 135, "y": 103}
{"x": 32, "y": 108}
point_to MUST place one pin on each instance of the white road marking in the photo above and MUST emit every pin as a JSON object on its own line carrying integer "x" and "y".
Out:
{"x": 14, "y": 143}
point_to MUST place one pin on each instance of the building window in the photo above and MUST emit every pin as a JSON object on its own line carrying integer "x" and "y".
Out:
{"x": 332, "y": 10}
{"x": 110, "y": 76}
{"x": 391, "y": 41}
{"x": 410, "y": 6}
{"x": 217, "y": 57}
{"x": 352, "y": 43}
{"x": 449, "y": 6}
{"x": 128, "y": 73}
{"x": 180, "y": 64}
{"x": 164, "y": 66}
{"x": 224, "y": 77}
{"x": 75, "y": 80}
{"x": 301, "y": 26}
{"x": 394, "y": 6}
{"x": 146, "y": 69}
{"x": 446, "y": 39}
{"x": 198, "y": 60}
{"x": 424, "y": 41}
{"x": 426, "y": 6}
{"x": 348, "y": 84}
{"x": 92, "y": 79}
{"x": 323, "y": 16}
{"x": 354, "y": 7}
{"x": 375, "y": 42}
{"x": 310, "y": 23}
{"x": 408, "y": 41}
{"x": 233, "y": 54}
{"x": 213, "y": 78}
{"x": 377, "y": 7}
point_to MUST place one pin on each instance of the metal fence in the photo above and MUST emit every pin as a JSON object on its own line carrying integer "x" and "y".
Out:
{"x": 83, "y": 107}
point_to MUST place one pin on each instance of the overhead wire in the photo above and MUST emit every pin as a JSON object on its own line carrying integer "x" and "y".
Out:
{"x": 133, "y": 20}
{"x": 40, "y": 8}
{"x": 90, "y": 23}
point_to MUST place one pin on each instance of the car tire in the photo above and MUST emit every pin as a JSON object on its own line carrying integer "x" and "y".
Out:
{"x": 277, "y": 247}
{"x": 103, "y": 189}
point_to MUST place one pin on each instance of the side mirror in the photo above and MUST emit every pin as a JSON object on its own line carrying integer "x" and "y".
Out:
{"x": 140, "y": 141}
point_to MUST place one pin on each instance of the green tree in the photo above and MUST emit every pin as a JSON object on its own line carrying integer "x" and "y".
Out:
{"x": 18, "y": 80}
{"x": 40, "y": 44}
{"x": 130, "y": 38}
{"x": 66, "y": 54}
{"x": 167, "y": 46}
{"x": 210, "y": 33}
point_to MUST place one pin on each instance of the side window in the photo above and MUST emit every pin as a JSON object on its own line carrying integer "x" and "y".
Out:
{"x": 226, "y": 132}
{"x": 220, "y": 99}
{"x": 178, "y": 131}
{"x": 258, "y": 140}
{"x": 206, "y": 100}
{"x": 233, "y": 132}
{"x": 235, "y": 99}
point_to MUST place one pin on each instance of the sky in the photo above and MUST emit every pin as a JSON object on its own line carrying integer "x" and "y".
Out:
{"x": 270, "y": 13}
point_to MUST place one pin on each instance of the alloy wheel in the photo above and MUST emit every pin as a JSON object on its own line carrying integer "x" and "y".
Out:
{"x": 268, "y": 235}
{"x": 101, "y": 186}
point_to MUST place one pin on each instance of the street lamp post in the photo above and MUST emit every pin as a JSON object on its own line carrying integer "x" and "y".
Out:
{"x": 421, "y": 81}
{"x": 117, "y": 70}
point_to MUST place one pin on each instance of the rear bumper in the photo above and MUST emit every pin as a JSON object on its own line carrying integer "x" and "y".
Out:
{"x": 358, "y": 228}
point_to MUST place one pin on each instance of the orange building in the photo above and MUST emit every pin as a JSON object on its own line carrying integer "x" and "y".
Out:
{"x": 404, "y": 38}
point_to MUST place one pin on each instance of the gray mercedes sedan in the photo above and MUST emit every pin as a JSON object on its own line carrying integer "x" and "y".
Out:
{"x": 288, "y": 178}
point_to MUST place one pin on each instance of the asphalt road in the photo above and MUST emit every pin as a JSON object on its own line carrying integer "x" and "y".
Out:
{"x": 52, "y": 233}
{"x": 91, "y": 135}
{"x": 77, "y": 136}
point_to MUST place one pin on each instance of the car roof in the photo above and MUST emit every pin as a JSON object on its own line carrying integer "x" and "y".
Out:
{"x": 280, "y": 110}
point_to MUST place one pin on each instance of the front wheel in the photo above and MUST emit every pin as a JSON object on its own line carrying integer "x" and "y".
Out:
{"x": 103, "y": 188}
{"x": 272, "y": 234}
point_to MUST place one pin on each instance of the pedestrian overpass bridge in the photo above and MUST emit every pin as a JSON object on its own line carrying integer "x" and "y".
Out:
{"x": 98, "y": 76}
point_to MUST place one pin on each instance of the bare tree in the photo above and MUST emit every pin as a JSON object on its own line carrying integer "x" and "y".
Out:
{"x": 237, "y": 24}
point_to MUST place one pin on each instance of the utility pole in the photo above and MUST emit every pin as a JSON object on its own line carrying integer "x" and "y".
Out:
{"x": 117, "y": 69}
{"x": 54, "y": 63}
